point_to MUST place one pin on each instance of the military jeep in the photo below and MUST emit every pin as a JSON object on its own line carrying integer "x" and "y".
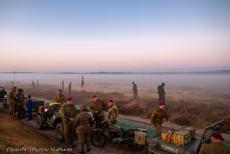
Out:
{"x": 157, "y": 146}
{"x": 50, "y": 117}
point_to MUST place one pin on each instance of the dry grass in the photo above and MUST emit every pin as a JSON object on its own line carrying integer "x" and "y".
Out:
{"x": 17, "y": 136}
{"x": 190, "y": 106}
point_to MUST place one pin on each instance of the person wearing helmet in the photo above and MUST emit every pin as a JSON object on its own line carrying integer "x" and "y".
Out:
{"x": 83, "y": 123}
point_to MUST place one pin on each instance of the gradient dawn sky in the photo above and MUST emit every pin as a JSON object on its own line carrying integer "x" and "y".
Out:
{"x": 114, "y": 35}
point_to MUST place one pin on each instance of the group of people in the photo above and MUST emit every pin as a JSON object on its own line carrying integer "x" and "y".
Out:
{"x": 160, "y": 91}
{"x": 83, "y": 121}
{"x": 16, "y": 102}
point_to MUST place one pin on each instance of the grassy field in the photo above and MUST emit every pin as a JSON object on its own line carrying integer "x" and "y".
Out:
{"x": 188, "y": 106}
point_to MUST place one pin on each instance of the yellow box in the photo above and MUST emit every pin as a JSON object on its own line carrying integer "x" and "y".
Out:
{"x": 181, "y": 137}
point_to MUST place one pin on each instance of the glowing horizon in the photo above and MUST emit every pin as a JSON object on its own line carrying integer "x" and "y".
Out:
{"x": 124, "y": 40}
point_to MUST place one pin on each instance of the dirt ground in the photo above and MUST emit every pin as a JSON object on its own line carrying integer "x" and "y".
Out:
{"x": 21, "y": 137}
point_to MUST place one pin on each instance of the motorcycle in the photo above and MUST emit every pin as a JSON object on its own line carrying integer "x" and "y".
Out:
{"x": 136, "y": 139}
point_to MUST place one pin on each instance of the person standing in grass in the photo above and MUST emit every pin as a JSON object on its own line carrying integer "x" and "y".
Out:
{"x": 30, "y": 107}
{"x": 157, "y": 118}
{"x": 161, "y": 92}
{"x": 135, "y": 92}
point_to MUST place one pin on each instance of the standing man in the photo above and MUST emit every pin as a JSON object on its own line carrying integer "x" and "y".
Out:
{"x": 83, "y": 122}
{"x": 11, "y": 100}
{"x": 158, "y": 116}
{"x": 161, "y": 92}
{"x": 112, "y": 112}
{"x": 98, "y": 108}
{"x": 30, "y": 107}
{"x": 20, "y": 102}
{"x": 216, "y": 146}
{"x": 69, "y": 113}
{"x": 60, "y": 97}
{"x": 135, "y": 92}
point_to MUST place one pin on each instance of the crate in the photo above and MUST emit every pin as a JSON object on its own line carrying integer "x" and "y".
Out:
{"x": 191, "y": 130}
{"x": 140, "y": 136}
{"x": 181, "y": 137}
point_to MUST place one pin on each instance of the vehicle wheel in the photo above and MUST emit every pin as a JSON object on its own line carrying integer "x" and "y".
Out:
{"x": 39, "y": 122}
{"x": 98, "y": 138}
{"x": 59, "y": 132}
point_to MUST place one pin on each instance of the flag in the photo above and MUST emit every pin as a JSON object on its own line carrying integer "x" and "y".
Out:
{"x": 82, "y": 82}
{"x": 70, "y": 87}
{"x": 63, "y": 85}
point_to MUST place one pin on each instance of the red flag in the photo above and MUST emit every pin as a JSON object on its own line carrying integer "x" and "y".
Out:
{"x": 82, "y": 82}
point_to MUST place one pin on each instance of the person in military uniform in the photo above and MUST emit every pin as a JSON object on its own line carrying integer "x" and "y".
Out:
{"x": 98, "y": 107}
{"x": 112, "y": 112}
{"x": 161, "y": 92}
{"x": 19, "y": 103}
{"x": 135, "y": 92}
{"x": 216, "y": 146}
{"x": 157, "y": 117}
{"x": 11, "y": 100}
{"x": 83, "y": 123}
{"x": 60, "y": 97}
{"x": 68, "y": 112}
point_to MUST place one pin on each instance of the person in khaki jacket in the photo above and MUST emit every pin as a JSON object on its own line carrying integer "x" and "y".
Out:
{"x": 83, "y": 122}
{"x": 216, "y": 146}
{"x": 60, "y": 97}
{"x": 112, "y": 112}
{"x": 68, "y": 111}
{"x": 98, "y": 107}
{"x": 11, "y": 100}
{"x": 158, "y": 116}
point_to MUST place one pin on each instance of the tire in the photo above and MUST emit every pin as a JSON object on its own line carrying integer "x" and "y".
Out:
{"x": 59, "y": 132}
{"x": 39, "y": 122}
{"x": 98, "y": 138}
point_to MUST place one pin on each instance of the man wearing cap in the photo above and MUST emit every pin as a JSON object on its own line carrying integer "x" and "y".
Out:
{"x": 11, "y": 100}
{"x": 97, "y": 107}
{"x": 112, "y": 112}
{"x": 216, "y": 146}
{"x": 60, "y": 97}
{"x": 158, "y": 116}
{"x": 161, "y": 92}
{"x": 83, "y": 122}
{"x": 68, "y": 111}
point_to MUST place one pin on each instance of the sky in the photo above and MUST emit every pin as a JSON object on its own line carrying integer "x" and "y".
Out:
{"x": 114, "y": 35}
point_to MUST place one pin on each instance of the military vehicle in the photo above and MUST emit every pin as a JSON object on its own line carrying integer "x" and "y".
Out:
{"x": 158, "y": 146}
{"x": 134, "y": 138}
{"x": 3, "y": 98}
{"x": 50, "y": 116}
